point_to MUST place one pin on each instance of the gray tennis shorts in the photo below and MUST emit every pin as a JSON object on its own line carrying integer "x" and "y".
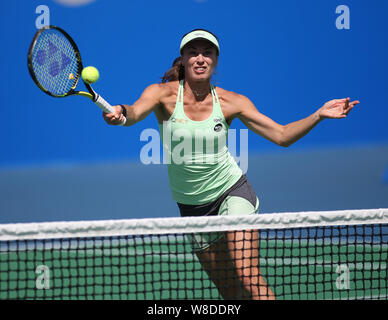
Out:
{"x": 240, "y": 199}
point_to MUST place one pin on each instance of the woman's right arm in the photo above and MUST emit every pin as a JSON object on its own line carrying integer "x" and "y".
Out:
{"x": 147, "y": 102}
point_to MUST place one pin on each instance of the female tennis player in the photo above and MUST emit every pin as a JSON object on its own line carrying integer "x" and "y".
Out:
{"x": 187, "y": 106}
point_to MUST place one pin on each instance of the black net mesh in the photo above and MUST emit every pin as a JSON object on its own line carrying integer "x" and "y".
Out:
{"x": 321, "y": 262}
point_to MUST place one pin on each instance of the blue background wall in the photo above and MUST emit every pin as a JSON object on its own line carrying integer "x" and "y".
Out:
{"x": 288, "y": 57}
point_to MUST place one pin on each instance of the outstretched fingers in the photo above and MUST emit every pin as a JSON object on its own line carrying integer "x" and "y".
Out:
{"x": 349, "y": 106}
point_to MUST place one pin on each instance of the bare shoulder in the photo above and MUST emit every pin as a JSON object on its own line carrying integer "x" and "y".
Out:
{"x": 156, "y": 89}
{"x": 232, "y": 103}
{"x": 162, "y": 90}
{"x": 231, "y": 96}
{"x": 162, "y": 97}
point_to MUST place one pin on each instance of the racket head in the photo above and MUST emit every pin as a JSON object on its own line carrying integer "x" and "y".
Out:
{"x": 54, "y": 62}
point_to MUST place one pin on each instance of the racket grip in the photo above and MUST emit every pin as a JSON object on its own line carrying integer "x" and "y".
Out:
{"x": 106, "y": 107}
{"x": 103, "y": 105}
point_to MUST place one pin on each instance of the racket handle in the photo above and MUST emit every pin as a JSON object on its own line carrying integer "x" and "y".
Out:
{"x": 103, "y": 105}
{"x": 106, "y": 107}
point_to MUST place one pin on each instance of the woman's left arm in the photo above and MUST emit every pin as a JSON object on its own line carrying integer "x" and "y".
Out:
{"x": 333, "y": 109}
{"x": 292, "y": 132}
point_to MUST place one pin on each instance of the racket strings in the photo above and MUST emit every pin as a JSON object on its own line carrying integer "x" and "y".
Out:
{"x": 54, "y": 62}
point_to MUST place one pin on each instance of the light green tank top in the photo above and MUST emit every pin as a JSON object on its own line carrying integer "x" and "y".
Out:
{"x": 200, "y": 166}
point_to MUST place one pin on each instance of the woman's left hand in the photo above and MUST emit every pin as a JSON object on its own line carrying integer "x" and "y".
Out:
{"x": 337, "y": 108}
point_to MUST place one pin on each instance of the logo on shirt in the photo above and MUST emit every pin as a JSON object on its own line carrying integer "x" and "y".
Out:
{"x": 216, "y": 120}
{"x": 218, "y": 127}
{"x": 185, "y": 121}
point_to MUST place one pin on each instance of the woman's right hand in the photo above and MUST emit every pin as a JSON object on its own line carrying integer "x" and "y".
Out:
{"x": 116, "y": 118}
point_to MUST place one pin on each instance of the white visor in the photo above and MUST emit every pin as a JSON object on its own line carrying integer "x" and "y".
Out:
{"x": 199, "y": 34}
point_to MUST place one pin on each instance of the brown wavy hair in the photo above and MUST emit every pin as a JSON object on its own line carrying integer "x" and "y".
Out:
{"x": 176, "y": 72}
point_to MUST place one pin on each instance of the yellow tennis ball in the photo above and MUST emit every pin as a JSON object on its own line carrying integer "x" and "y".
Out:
{"x": 90, "y": 74}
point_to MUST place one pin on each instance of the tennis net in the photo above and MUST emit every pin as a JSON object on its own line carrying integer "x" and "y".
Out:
{"x": 305, "y": 255}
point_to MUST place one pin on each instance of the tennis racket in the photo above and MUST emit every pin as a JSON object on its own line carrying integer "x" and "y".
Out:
{"x": 55, "y": 65}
